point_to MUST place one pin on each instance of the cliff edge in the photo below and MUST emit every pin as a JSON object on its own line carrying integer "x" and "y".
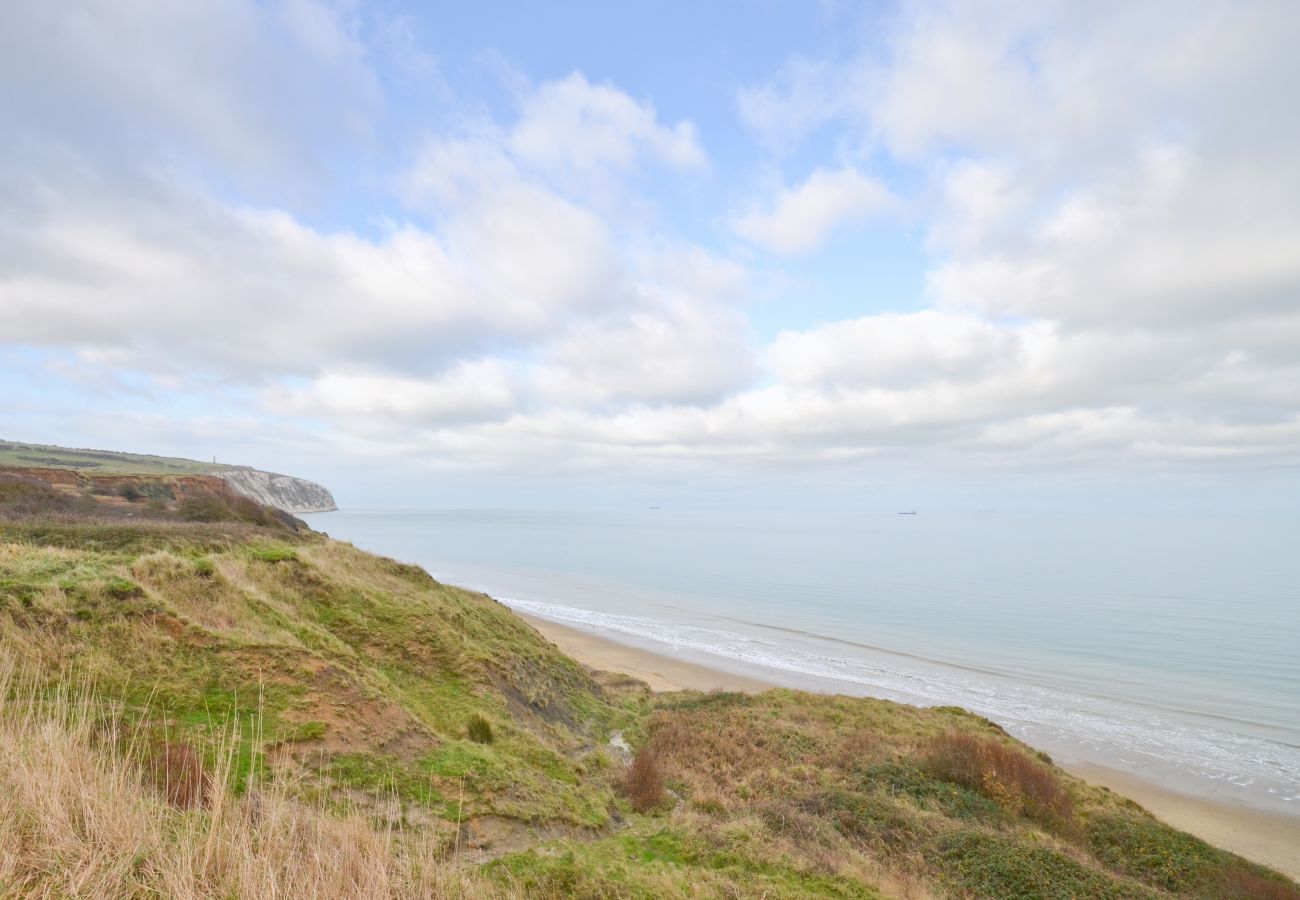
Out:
{"x": 284, "y": 492}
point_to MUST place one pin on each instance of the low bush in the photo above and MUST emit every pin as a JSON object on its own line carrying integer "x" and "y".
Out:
{"x": 643, "y": 784}
{"x": 987, "y": 865}
{"x": 1001, "y": 772}
{"x": 955, "y": 800}
{"x": 1153, "y": 852}
{"x": 204, "y": 509}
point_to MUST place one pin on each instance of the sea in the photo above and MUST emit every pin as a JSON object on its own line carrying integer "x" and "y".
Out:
{"x": 1167, "y": 647}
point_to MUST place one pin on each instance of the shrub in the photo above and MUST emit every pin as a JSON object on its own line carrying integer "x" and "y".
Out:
{"x": 643, "y": 785}
{"x": 988, "y": 865}
{"x": 955, "y": 800}
{"x": 204, "y": 568}
{"x": 24, "y": 497}
{"x": 1001, "y": 772}
{"x": 157, "y": 492}
{"x": 129, "y": 491}
{"x": 480, "y": 729}
{"x": 206, "y": 508}
{"x": 1153, "y": 852}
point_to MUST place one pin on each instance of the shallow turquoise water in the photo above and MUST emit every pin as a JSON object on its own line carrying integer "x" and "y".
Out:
{"x": 1169, "y": 647}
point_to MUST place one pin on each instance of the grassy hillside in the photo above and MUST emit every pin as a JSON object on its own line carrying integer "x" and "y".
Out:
{"x": 232, "y": 706}
{"x": 20, "y": 455}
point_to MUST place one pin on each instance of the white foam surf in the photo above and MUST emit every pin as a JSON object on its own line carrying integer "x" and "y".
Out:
{"x": 1146, "y": 741}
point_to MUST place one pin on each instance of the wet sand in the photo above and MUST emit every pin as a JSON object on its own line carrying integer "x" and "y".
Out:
{"x": 1264, "y": 837}
{"x": 662, "y": 673}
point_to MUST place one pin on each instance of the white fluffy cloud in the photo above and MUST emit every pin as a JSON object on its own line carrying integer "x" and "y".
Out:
{"x": 1177, "y": 239}
{"x": 471, "y": 391}
{"x": 572, "y": 123}
{"x": 894, "y": 350}
{"x": 182, "y": 283}
{"x": 801, "y": 218}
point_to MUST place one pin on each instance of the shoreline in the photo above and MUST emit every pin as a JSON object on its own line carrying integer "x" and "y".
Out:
{"x": 1258, "y": 835}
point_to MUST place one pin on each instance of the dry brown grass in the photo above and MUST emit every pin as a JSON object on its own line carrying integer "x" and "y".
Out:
{"x": 78, "y": 818}
{"x": 1001, "y": 772}
{"x": 176, "y": 770}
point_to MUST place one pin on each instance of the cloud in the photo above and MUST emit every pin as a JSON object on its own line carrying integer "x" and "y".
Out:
{"x": 803, "y": 96}
{"x": 897, "y": 350}
{"x": 799, "y": 219}
{"x": 154, "y": 79}
{"x": 572, "y": 123}
{"x": 1177, "y": 239}
{"x": 149, "y": 271}
{"x": 176, "y": 282}
{"x": 679, "y": 353}
{"x": 469, "y": 392}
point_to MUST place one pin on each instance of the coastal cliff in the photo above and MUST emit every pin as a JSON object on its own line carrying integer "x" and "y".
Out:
{"x": 284, "y": 492}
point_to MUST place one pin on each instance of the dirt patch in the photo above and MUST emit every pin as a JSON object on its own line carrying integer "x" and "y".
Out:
{"x": 355, "y": 719}
{"x": 486, "y": 838}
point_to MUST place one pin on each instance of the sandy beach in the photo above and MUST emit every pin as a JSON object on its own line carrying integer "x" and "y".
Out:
{"x": 1267, "y": 838}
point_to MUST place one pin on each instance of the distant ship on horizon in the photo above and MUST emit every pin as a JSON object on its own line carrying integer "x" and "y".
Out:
{"x": 910, "y": 512}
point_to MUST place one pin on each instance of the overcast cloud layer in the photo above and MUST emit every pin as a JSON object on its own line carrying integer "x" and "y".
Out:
{"x": 298, "y": 223}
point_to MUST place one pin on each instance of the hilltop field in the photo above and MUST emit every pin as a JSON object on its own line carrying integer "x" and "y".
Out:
{"x": 108, "y": 462}
{"x": 200, "y": 696}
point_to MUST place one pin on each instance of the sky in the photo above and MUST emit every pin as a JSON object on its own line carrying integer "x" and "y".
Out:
{"x": 508, "y": 254}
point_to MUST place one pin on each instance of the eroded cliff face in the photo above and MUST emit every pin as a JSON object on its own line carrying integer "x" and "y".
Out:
{"x": 284, "y": 492}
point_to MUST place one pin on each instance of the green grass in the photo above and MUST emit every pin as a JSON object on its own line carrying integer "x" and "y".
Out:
{"x": 204, "y": 622}
{"x": 105, "y": 462}
{"x": 664, "y": 864}
{"x": 991, "y": 865}
{"x": 274, "y": 554}
{"x": 905, "y": 780}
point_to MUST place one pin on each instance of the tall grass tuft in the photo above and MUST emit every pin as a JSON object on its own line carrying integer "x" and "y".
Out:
{"x": 480, "y": 729}
{"x": 91, "y": 807}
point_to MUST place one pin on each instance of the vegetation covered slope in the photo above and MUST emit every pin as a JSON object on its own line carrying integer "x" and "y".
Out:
{"x": 285, "y": 492}
{"x": 264, "y": 698}
{"x": 17, "y": 455}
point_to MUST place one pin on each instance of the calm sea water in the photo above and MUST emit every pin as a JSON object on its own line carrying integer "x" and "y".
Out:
{"x": 1167, "y": 647}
